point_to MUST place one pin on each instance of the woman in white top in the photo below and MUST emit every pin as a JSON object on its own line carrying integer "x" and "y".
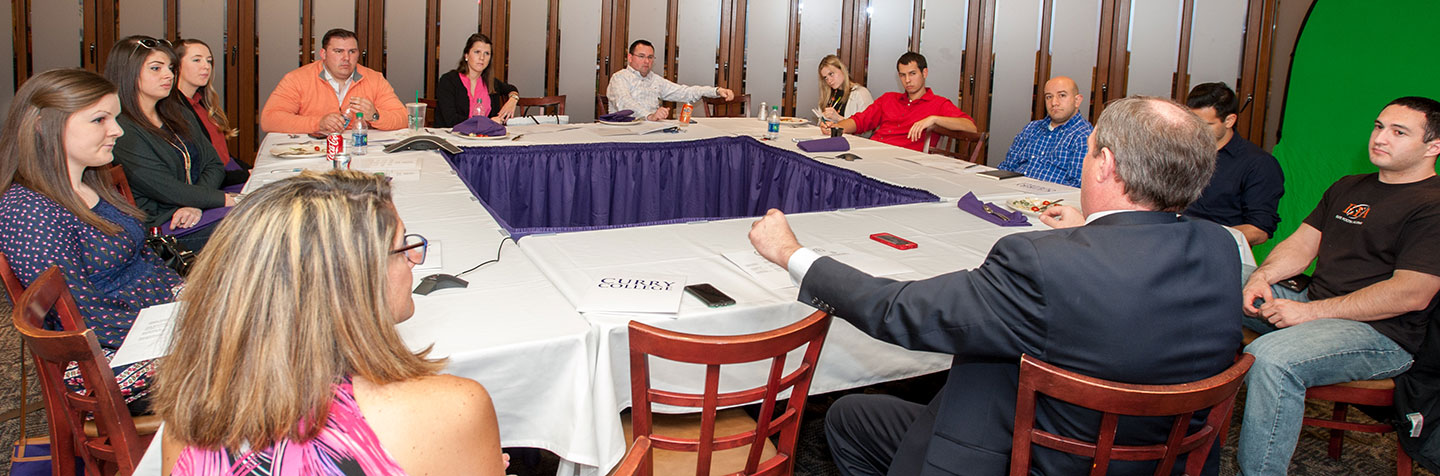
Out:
{"x": 839, "y": 97}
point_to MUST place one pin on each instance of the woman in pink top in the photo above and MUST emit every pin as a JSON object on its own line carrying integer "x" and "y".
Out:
{"x": 289, "y": 361}
{"x": 470, "y": 89}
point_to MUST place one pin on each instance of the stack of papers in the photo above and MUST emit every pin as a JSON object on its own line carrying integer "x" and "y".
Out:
{"x": 622, "y": 291}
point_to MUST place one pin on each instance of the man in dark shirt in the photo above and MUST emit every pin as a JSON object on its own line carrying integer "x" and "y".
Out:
{"x": 1363, "y": 317}
{"x": 1245, "y": 191}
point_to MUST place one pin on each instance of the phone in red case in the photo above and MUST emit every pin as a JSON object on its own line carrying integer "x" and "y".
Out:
{"x": 894, "y": 241}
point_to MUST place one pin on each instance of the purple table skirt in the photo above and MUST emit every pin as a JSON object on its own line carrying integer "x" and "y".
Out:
{"x": 563, "y": 188}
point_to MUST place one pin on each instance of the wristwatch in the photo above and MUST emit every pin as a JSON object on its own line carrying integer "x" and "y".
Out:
{"x": 375, "y": 116}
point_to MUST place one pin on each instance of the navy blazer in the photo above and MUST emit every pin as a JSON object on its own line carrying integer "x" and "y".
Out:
{"x": 1138, "y": 297}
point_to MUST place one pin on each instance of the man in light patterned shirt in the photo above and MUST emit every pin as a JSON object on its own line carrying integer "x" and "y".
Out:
{"x": 639, "y": 89}
{"x": 1052, "y": 149}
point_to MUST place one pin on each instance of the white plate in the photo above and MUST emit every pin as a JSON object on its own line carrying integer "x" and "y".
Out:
{"x": 791, "y": 121}
{"x": 1024, "y": 205}
{"x": 613, "y": 123}
{"x": 468, "y": 136}
{"x": 304, "y": 150}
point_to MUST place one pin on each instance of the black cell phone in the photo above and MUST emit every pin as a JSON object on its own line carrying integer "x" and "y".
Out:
{"x": 1296, "y": 283}
{"x": 1000, "y": 174}
{"x": 711, "y": 296}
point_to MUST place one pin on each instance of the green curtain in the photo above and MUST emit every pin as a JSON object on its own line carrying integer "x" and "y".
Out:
{"x": 1353, "y": 57}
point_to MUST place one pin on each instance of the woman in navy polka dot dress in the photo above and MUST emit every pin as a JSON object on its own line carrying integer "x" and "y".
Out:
{"x": 58, "y": 210}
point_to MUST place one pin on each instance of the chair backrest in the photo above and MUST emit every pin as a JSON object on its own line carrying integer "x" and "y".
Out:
{"x": 13, "y": 287}
{"x": 117, "y": 178}
{"x": 959, "y": 144}
{"x": 430, "y": 106}
{"x": 1113, "y": 399}
{"x": 712, "y": 352}
{"x": 116, "y": 449}
{"x": 719, "y": 107}
{"x": 546, "y": 105}
{"x": 603, "y": 102}
{"x": 630, "y": 466}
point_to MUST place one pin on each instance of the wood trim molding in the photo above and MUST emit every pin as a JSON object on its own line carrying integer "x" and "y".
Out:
{"x": 495, "y": 23}
{"x": 1180, "y": 83}
{"x": 978, "y": 60}
{"x": 855, "y": 38}
{"x": 1254, "y": 83}
{"x": 614, "y": 33}
{"x": 792, "y": 60}
{"x": 172, "y": 20}
{"x": 98, "y": 23}
{"x": 432, "y": 45}
{"x": 370, "y": 27}
{"x": 672, "y": 40}
{"x": 552, "y": 50}
{"x": 20, "y": 34}
{"x": 241, "y": 95}
{"x": 1042, "y": 60}
{"x": 308, "y": 42}
{"x": 1112, "y": 56}
{"x": 917, "y": 24}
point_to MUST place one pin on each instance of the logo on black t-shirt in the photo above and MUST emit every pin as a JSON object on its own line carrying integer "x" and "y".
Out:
{"x": 1354, "y": 214}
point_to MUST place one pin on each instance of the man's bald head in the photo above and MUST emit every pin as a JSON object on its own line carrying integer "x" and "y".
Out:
{"x": 1062, "y": 99}
{"x": 1163, "y": 152}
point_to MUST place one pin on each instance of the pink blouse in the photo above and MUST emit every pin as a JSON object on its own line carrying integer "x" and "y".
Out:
{"x": 479, "y": 97}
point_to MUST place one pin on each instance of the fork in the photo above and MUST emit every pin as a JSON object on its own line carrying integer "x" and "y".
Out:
{"x": 991, "y": 211}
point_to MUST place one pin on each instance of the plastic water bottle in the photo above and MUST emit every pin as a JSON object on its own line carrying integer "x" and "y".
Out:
{"x": 772, "y": 132}
{"x": 763, "y": 110}
{"x": 359, "y": 137}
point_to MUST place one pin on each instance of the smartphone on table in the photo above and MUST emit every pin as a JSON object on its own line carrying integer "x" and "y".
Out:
{"x": 709, "y": 295}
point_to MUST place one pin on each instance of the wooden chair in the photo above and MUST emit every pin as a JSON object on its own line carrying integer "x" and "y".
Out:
{"x": 712, "y": 352}
{"x": 958, "y": 144}
{"x": 719, "y": 107}
{"x": 603, "y": 103}
{"x": 430, "y": 106}
{"x": 1379, "y": 393}
{"x": 546, "y": 104}
{"x": 1113, "y": 399}
{"x": 630, "y": 466}
{"x": 13, "y": 287}
{"x": 117, "y": 178}
{"x": 113, "y": 446}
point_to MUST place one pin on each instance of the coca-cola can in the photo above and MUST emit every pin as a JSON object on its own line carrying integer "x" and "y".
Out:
{"x": 334, "y": 145}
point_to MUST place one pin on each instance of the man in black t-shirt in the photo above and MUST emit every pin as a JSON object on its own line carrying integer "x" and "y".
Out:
{"x": 1374, "y": 240}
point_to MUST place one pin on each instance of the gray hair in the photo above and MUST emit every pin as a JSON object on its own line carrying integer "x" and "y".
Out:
{"x": 1163, "y": 152}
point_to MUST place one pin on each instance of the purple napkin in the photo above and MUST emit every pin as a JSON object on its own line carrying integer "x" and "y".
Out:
{"x": 623, "y": 115}
{"x": 480, "y": 126}
{"x": 206, "y": 218}
{"x": 828, "y": 144}
{"x": 971, "y": 204}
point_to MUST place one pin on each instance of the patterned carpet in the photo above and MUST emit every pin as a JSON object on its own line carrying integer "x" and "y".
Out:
{"x": 1364, "y": 454}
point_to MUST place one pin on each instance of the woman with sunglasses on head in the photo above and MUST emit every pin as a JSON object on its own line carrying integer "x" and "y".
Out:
{"x": 173, "y": 170}
{"x": 56, "y": 209}
{"x": 470, "y": 90}
{"x": 839, "y": 97}
{"x": 193, "y": 81}
{"x": 293, "y": 363}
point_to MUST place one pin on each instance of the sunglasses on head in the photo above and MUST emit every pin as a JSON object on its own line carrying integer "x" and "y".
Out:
{"x": 152, "y": 43}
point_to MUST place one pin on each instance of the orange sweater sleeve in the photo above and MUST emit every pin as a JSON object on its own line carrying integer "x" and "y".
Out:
{"x": 393, "y": 114}
{"x": 284, "y": 108}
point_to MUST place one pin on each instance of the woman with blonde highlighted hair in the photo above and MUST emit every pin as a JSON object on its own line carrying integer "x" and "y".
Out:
{"x": 839, "y": 97}
{"x": 286, "y": 356}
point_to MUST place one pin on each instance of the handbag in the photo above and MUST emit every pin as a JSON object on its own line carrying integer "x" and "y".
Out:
{"x": 175, "y": 255}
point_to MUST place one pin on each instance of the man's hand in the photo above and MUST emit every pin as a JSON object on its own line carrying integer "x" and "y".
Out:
{"x": 725, "y": 93}
{"x": 918, "y": 129}
{"x": 360, "y": 105}
{"x": 1062, "y": 216}
{"x": 332, "y": 122}
{"x": 660, "y": 114}
{"x": 771, "y": 236}
{"x": 1256, "y": 287}
{"x": 1284, "y": 313}
{"x": 184, "y": 217}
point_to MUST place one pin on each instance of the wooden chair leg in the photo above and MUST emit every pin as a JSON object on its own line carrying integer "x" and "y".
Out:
{"x": 1403, "y": 466}
{"x": 1337, "y": 436}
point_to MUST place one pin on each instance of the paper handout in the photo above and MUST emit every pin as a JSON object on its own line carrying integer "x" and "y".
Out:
{"x": 149, "y": 336}
{"x": 624, "y": 291}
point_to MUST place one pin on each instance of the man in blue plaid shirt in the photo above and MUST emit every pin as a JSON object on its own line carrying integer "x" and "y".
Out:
{"x": 1052, "y": 149}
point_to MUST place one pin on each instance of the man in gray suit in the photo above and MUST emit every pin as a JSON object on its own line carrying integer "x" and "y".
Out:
{"x": 1137, "y": 294}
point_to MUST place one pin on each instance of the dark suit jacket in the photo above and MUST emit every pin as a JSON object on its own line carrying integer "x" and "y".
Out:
{"x": 1139, "y": 297}
{"x": 156, "y": 171}
{"x": 452, "y": 102}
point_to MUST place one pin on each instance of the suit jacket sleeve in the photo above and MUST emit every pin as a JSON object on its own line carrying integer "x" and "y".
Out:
{"x": 452, "y": 103}
{"x": 995, "y": 310}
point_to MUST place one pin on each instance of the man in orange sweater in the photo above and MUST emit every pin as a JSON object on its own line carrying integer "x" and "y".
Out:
{"x": 323, "y": 96}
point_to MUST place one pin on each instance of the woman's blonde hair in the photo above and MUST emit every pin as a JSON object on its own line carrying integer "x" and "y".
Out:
{"x": 209, "y": 99}
{"x": 825, "y": 90}
{"x": 288, "y": 299}
{"x": 32, "y": 146}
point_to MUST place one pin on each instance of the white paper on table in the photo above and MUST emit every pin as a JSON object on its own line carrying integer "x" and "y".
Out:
{"x": 375, "y": 164}
{"x": 149, "y": 336}
{"x": 261, "y": 179}
{"x": 434, "y": 260}
{"x": 871, "y": 264}
{"x": 947, "y": 164}
{"x": 398, "y": 175}
{"x": 766, "y": 274}
{"x": 1035, "y": 186}
{"x": 646, "y": 128}
{"x": 526, "y": 127}
{"x": 622, "y": 291}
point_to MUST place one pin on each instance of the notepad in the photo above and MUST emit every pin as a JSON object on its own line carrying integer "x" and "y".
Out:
{"x": 1000, "y": 174}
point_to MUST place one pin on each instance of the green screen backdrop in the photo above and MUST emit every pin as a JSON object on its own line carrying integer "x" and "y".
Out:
{"x": 1353, "y": 57}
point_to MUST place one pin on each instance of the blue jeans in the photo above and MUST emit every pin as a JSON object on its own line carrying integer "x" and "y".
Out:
{"x": 1287, "y": 361}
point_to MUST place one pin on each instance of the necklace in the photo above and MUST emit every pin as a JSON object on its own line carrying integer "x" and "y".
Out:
{"x": 179, "y": 145}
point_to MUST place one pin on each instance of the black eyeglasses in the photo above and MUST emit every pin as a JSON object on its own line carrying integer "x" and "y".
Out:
{"x": 414, "y": 249}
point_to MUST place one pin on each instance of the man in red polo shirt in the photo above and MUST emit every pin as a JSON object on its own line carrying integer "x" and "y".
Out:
{"x": 902, "y": 119}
